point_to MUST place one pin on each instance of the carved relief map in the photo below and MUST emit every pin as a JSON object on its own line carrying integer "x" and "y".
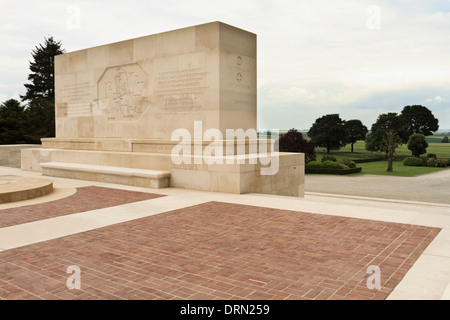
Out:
{"x": 121, "y": 92}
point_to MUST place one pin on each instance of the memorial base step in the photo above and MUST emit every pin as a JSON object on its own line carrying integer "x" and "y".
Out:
{"x": 155, "y": 179}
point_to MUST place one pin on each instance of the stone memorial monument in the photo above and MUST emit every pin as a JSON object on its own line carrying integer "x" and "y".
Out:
{"x": 172, "y": 109}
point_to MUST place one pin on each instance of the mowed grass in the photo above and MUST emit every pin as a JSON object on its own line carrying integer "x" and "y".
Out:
{"x": 435, "y": 139}
{"x": 380, "y": 167}
{"x": 442, "y": 150}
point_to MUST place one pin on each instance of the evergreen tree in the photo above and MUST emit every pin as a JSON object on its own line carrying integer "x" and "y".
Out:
{"x": 40, "y": 95}
{"x": 42, "y": 69}
{"x": 40, "y": 119}
{"x": 12, "y": 123}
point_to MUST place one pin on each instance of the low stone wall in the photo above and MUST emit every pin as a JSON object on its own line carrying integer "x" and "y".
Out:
{"x": 10, "y": 154}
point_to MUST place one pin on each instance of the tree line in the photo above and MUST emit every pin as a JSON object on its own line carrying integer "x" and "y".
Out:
{"x": 389, "y": 131}
{"x": 33, "y": 117}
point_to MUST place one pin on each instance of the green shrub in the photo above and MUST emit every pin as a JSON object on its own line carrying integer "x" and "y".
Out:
{"x": 331, "y": 165}
{"x": 314, "y": 164}
{"x": 413, "y": 161}
{"x": 328, "y": 157}
{"x": 418, "y": 144}
{"x": 437, "y": 163}
{"x": 448, "y": 162}
{"x": 348, "y": 163}
{"x": 431, "y": 155}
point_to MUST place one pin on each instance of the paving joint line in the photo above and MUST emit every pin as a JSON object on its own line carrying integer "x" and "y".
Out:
{"x": 352, "y": 197}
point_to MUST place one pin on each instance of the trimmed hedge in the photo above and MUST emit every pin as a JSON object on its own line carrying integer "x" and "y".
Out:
{"x": 348, "y": 163}
{"x": 331, "y": 165}
{"x": 413, "y": 162}
{"x": 332, "y": 171}
{"x": 367, "y": 160}
{"x": 314, "y": 164}
{"x": 427, "y": 162}
{"x": 328, "y": 158}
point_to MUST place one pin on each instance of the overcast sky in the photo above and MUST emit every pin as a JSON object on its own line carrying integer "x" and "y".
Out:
{"x": 357, "y": 58}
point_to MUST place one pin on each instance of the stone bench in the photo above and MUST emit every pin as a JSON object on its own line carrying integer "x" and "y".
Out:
{"x": 135, "y": 177}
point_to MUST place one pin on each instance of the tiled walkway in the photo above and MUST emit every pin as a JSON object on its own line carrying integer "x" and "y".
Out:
{"x": 85, "y": 199}
{"x": 219, "y": 250}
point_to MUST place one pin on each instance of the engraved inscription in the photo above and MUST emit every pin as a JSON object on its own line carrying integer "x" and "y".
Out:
{"x": 113, "y": 145}
{"x": 181, "y": 89}
{"x": 61, "y": 110}
{"x": 77, "y": 98}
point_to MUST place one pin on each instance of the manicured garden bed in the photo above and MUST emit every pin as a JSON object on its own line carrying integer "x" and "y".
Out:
{"x": 330, "y": 165}
{"x": 332, "y": 171}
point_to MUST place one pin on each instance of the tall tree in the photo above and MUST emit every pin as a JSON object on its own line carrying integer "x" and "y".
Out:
{"x": 384, "y": 123}
{"x": 418, "y": 119}
{"x": 42, "y": 69}
{"x": 40, "y": 119}
{"x": 40, "y": 94}
{"x": 354, "y": 131}
{"x": 12, "y": 122}
{"x": 328, "y": 132}
{"x": 391, "y": 140}
{"x": 386, "y": 135}
{"x": 293, "y": 141}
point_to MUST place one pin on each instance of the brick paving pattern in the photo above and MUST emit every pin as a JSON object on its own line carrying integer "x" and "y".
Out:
{"x": 85, "y": 199}
{"x": 219, "y": 251}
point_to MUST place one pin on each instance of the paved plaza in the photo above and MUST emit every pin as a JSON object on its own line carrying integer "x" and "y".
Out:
{"x": 140, "y": 243}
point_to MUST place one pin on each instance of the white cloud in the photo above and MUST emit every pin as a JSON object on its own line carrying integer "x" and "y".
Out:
{"x": 313, "y": 56}
{"x": 435, "y": 99}
{"x": 437, "y": 17}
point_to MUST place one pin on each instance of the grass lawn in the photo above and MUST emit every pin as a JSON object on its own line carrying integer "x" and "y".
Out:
{"x": 442, "y": 150}
{"x": 379, "y": 167}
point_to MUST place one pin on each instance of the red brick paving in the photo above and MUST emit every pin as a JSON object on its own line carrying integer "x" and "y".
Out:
{"x": 219, "y": 251}
{"x": 85, "y": 199}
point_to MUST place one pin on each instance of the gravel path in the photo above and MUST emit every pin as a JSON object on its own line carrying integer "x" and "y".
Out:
{"x": 434, "y": 187}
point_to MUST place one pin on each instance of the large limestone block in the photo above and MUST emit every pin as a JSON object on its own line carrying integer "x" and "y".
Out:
{"x": 148, "y": 87}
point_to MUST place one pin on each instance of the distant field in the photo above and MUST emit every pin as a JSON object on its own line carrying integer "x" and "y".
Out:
{"x": 437, "y": 139}
{"x": 442, "y": 150}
